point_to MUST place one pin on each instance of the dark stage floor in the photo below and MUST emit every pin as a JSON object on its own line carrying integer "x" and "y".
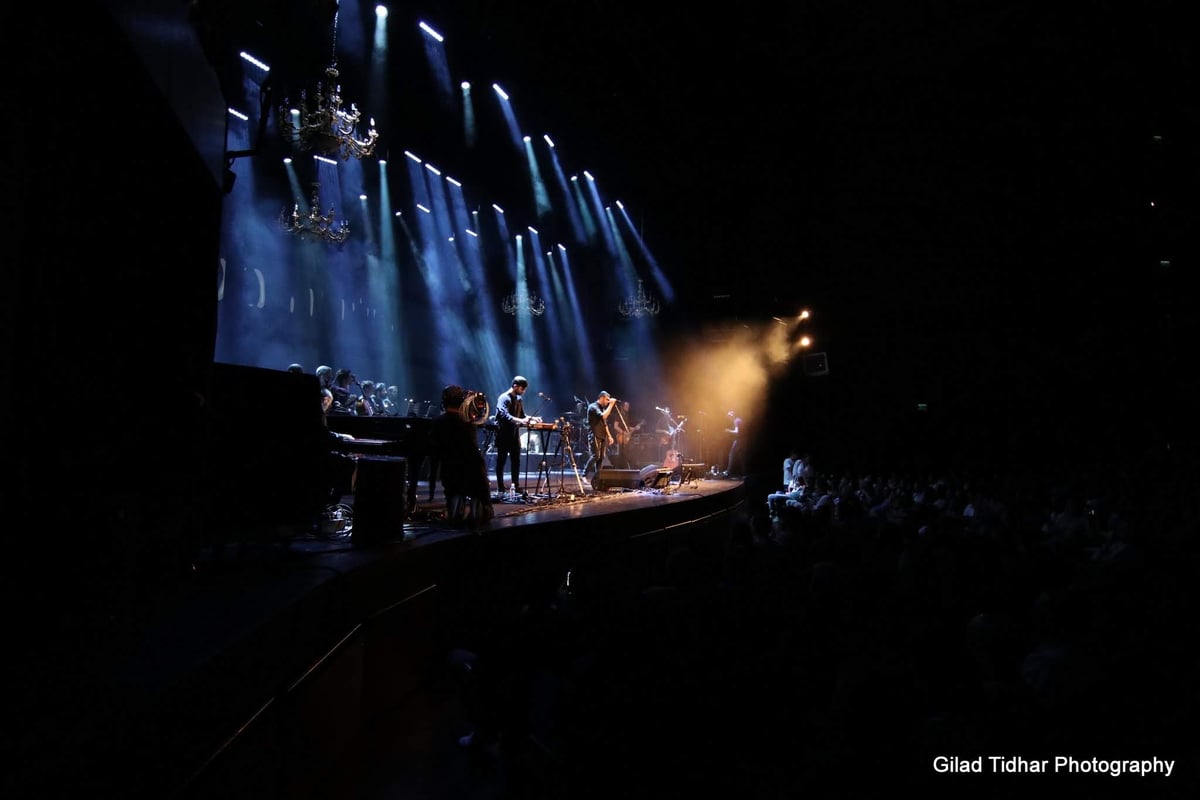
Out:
{"x": 188, "y": 698}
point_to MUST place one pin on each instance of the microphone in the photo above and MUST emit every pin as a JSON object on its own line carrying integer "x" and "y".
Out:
{"x": 663, "y": 410}
{"x": 545, "y": 396}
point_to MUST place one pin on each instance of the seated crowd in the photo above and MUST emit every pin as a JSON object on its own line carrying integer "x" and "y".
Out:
{"x": 877, "y": 620}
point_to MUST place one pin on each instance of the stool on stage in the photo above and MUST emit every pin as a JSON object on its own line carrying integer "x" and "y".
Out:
{"x": 380, "y": 499}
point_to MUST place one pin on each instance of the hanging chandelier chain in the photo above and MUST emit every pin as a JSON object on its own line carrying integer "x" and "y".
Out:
{"x": 333, "y": 48}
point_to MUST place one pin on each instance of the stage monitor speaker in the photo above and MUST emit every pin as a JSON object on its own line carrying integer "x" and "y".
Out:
{"x": 652, "y": 476}
{"x": 380, "y": 499}
{"x": 617, "y": 479}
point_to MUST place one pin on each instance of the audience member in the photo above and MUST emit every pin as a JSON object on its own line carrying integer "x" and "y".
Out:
{"x": 788, "y": 463}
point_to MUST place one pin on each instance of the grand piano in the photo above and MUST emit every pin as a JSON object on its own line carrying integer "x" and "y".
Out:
{"x": 392, "y": 436}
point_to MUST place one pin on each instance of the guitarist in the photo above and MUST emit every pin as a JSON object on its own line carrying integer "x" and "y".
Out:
{"x": 599, "y": 434}
{"x": 619, "y": 453}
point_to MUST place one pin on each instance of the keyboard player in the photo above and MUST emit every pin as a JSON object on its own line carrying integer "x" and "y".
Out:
{"x": 510, "y": 418}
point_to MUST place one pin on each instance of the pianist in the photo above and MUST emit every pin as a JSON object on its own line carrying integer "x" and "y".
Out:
{"x": 339, "y": 470}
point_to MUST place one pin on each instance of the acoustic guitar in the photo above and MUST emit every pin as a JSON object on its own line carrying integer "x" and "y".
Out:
{"x": 672, "y": 460}
{"x": 625, "y": 435}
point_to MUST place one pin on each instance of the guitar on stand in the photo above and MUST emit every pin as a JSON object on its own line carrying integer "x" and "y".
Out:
{"x": 672, "y": 460}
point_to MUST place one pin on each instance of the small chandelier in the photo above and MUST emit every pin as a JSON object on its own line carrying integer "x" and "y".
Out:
{"x": 324, "y": 126}
{"x": 639, "y": 305}
{"x": 314, "y": 225}
{"x": 523, "y": 303}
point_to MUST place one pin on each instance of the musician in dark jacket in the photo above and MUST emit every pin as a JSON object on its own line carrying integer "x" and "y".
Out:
{"x": 510, "y": 417}
{"x": 599, "y": 434}
{"x": 454, "y": 445}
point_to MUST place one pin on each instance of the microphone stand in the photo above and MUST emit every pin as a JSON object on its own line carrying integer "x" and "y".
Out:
{"x": 620, "y": 416}
{"x": 624, "y": 425}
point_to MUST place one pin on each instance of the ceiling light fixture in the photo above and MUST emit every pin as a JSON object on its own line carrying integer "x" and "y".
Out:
{"x": 639, "y": 305}
{"x": 324, "y": 126}
{"x": 524, "y": 303}
{"x": 314, "y": 225}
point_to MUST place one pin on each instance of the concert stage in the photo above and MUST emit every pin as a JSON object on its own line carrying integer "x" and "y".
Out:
{"x": 277, "y": 668}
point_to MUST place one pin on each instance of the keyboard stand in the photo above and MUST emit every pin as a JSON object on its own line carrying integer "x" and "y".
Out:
{"x": 544, "y": 466}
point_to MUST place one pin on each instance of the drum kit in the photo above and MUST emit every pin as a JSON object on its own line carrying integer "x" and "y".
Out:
{"x": 575, "y": 428}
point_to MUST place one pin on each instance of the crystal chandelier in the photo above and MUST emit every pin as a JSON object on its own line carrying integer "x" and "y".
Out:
{"x": 324, "y": 126}
{"x": 523, "y": 303}
{"x": 639, "y": 305}
{"x": 314, "y": 225}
